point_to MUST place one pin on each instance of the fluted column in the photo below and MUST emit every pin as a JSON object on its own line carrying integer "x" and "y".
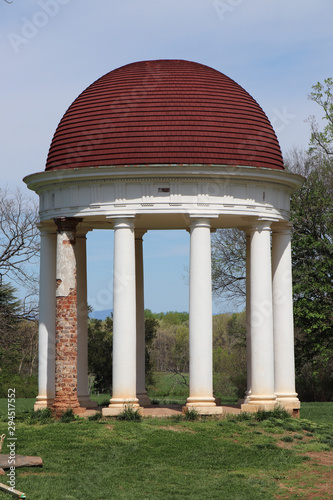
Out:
{"x": 141, "y": 392}
{"x": 261, "y": 321}
{"x": 47, "y": 308}
{"x": 82, "y": 323}
{"x": 201, "y": 359}
{"x": 124, "y": 318}
{"x": 284, "y": 363}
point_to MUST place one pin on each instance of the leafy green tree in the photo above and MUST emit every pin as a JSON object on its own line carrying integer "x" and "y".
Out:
{"x": 18, "y": 346}
{"x": 151, "y": 325}
{"x": 312, "y": 253}
{"x": 229, "y": 354}
{"x": 312, "y": 250}
{"x": 100, "y": 353}
{"x": 321, "y": 142}
{"x": 10, "y": 309}
{"x": 100, "y": 336}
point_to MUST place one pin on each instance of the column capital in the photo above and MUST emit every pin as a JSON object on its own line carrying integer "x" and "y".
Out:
{"x": 82, "y": 229}
{"x": 67, "y": 223}
{"x": 260, "y": 225}
{"x": 122, "y": 221}
{"x": 47, "y": 228}
{"x": 283, "y": 227}
{"x": 139, "y": 233}
{"x": 199, "y": 222}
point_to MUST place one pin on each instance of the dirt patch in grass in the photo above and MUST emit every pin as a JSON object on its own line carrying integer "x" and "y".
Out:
{"x": 287, "y": 445}
{"x": 313, "y": 481}
{"x": 176, "y": 429}
{"x": 322, "y": 458}
{"x": 109, "y": 427}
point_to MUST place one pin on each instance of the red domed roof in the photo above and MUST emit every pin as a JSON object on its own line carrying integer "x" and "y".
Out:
{"x": 164, "y": 112}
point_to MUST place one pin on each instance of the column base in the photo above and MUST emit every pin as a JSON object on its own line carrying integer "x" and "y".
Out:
{"x": 254, "y": 403}
{"x": 117, "y": 406}
{"x": 204, "y": 410}
{"x": 290, "y": 403}
{"x": 121, "y": 402}
{"x": 252, "y": 408}
{"x": 43, "y": 402}
{"x": 63, "y": 403}
{"x": 246, "y": 399}
{"x": 143, "y": 399}
{"x": 200, "y": 401}
{"x": 59, "y": 409}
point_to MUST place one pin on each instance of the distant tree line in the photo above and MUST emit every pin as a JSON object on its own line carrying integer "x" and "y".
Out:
{"x": 167, "y": 350}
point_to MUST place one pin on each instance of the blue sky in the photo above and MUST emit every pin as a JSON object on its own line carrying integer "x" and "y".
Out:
{"x": 51, "y": 50}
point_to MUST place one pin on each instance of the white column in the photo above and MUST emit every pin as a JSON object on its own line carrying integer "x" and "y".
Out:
{"x": 82, "y": 323}
{"x": 124, "y": 318}
{"x": 201, "y": 338}
{"x": 47, "y": 310}
{"x": 248, "y": 315}
{"x": 284, "y": 362}
{"x": 262, "y": 358}
{"x": 141, "y": 392}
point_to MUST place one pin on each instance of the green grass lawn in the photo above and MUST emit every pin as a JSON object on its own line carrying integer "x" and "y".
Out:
{"x": 318, "y": 412}
{"x": 234, "y": 458}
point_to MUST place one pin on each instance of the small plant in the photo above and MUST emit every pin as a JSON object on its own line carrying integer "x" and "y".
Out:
{"x": 96, "y": 416}
{"x": 191, "y": 414}
{"x": 278, "y": 412}
{"x": 67, "y": 416}
{"x": 244, "y": 417}
{"x": 176, "y": 418}
{"x": 298, "y": 436}
{"x": 327, "y": 440}
{"x": 40, "y": 416}
{"x": 287, "y": 439}
{"x": 130, "y": 414}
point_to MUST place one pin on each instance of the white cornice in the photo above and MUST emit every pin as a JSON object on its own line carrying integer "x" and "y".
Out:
{"x": 57, "y": 178}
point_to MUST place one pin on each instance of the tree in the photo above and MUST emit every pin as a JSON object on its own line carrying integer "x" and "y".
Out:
{"x": 170, "y": 348}
{"x": 229, "y": 354}
{"x": 151, "y": 325}
{"x": 19, "y": 239}
{"x": 100, "y": 348}
{"x": 321, "y": 142}
{"x": 9, "y": 311}
{"x": 18, "y": 346}
{"x": 228, "y": 264}
{"x": 100, "y": 353}
{"x": 312, "y": 253}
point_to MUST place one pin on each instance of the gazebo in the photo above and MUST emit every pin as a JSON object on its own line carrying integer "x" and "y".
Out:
{"x": 164, "y": 144}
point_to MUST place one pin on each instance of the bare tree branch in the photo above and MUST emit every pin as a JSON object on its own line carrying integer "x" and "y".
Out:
{"x": 19, "y": 239}
{"x": 228, "y": 264}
